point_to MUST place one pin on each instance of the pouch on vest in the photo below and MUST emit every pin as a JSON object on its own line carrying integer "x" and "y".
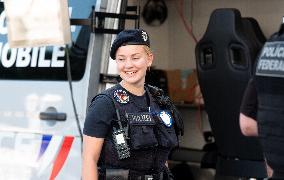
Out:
{"x": 166, "y": 136}
{"x": 119, "y": 174}
{"x": 141, "y": 130}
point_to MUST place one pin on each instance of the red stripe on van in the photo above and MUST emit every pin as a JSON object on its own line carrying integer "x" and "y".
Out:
{"x": 61, "y": 156}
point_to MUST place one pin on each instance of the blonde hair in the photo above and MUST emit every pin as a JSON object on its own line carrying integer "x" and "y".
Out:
{"x": 147, "y": 49}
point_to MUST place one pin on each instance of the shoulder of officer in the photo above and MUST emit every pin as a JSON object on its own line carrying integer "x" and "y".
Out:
{"x": 108, "y": 92}
{"x": 155, "y": 91}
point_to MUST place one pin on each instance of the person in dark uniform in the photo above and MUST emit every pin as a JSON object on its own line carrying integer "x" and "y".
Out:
{"x": 130, "y": 128}
{"x": 262, "y": 110}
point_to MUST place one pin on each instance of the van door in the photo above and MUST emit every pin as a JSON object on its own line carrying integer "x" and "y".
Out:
{"x": 39, "y": 137}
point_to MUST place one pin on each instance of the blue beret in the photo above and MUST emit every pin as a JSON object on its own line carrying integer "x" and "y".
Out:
{"x": 127, "y": 37}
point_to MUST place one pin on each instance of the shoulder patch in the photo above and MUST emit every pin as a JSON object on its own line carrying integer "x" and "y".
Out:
{"x": 121, "y": 96}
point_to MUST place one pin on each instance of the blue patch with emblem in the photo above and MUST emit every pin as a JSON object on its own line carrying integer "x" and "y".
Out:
{"x": 166, "y": 118}
{"x": 121, "y": 96}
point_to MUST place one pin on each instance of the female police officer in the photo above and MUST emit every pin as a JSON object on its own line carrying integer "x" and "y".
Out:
{"x": 131, "y": 127}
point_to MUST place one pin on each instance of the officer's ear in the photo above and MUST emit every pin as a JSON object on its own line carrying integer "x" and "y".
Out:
{"x": 150, "y": 59}
{"x": 150, "y": 55}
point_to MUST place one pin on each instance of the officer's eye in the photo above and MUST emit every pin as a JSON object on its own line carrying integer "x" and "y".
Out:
{"x": 120, "y": 59}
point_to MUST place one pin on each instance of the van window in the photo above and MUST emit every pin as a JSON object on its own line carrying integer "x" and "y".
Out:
{"x": 47, "y": 63}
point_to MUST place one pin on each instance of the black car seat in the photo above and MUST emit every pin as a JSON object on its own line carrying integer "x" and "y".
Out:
{"x": 253, "y": 32}
{"x": 224, "y": 60}
{"x": 257, "y": 30}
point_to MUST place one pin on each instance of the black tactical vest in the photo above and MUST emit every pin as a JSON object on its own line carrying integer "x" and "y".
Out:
{"x": 270, "y": 89}
{"x": 149, "y": 138}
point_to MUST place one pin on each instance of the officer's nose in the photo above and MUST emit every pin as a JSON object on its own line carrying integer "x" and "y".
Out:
{"x": 128, "y": 63}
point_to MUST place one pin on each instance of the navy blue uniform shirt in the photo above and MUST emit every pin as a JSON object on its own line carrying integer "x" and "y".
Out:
{"x": 101, "y": 112}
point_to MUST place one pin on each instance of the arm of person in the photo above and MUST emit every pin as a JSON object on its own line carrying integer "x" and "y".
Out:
{"x": 269, "y": 170}
{"x": 92, "y": 147}
{"x": 248, "y": 111}
{"x": 96, "y": 128}
{"x": 248, "y": 125}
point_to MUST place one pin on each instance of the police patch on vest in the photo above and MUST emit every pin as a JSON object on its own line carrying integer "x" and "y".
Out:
{"x": 271, "y": 60}
{"x": 140, "y": 118}
{"x": 166, "y": 118}
{"x": 121, "y": 96}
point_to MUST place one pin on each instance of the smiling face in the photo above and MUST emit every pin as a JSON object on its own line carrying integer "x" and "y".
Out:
{"x": 132, "y": 63}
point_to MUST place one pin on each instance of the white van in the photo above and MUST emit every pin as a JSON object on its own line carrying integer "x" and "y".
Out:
{"x": 39, "y": 136}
